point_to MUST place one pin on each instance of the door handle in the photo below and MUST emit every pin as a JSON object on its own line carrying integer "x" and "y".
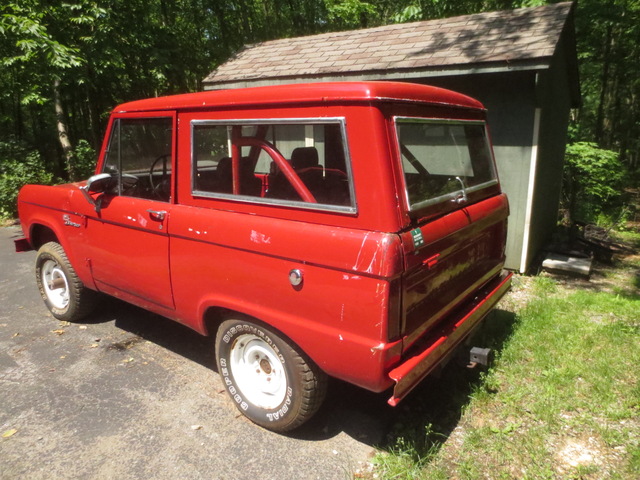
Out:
{"x": 157, "y": 214}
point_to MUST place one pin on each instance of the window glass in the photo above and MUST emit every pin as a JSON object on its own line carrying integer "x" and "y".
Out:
{"x": 139, "y": 156}
{"x": 277, "y": 162}
{"x": 441, "y": 159}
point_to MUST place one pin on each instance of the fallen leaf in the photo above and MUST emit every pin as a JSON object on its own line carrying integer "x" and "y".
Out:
{"x": 9, "y": 433}
{"x": 58, "y": 331}
{"x": 82, "y": 327}
{"x": 63, "y": 357}
{"x": 196, "y": 427}
{"x": 128, "y": 360}
{"x": 65, "y": 324}
{"x": 94, "y": 345}
{"x": 16, "y": 335}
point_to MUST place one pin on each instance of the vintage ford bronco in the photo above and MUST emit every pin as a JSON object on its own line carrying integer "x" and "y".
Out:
{"x": 353, "y": 230}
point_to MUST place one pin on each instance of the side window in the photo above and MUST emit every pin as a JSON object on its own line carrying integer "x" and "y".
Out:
{"x": 287, "y": 163}
{"x": 139, "y": 156}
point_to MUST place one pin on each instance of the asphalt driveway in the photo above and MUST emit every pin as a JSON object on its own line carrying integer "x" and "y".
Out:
{"x": 127, "y": 394}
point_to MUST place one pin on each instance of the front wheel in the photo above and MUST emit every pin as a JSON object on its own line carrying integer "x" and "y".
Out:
{"x": 61, "y": 289}
{"x": 270, "y": 381}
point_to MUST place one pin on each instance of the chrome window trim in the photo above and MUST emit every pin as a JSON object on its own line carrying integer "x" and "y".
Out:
{"x": 350, "y": 209}
{"x": 449, "y": 196}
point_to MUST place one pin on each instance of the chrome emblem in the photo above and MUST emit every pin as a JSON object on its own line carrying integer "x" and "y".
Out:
{"x": 69, "y": 223}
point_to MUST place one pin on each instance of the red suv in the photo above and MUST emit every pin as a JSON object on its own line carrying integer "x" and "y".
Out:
{"x": 353, "y": 230}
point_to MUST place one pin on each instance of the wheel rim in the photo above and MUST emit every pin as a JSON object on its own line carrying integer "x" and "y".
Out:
{"x": 258, "y": 372}
{"x": 55, "y": 284}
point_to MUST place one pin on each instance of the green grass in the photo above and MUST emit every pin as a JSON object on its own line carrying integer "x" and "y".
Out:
{"x": 561, "y": 401}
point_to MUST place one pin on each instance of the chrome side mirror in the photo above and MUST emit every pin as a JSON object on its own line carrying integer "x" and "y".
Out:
{"x": 99, "y": 183}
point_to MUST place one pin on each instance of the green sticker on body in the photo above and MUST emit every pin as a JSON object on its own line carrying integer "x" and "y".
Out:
{"x": 418, "y": 241}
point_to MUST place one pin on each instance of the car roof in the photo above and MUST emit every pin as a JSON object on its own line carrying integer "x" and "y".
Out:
{"x": 306, "y": 93}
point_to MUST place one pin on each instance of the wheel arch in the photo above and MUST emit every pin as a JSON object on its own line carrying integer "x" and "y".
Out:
{"x": 214, "y": 316}
{"x": 39, "y": 234}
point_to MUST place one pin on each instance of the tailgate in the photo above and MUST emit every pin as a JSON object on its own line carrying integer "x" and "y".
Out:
{"x": 448, "y": 261}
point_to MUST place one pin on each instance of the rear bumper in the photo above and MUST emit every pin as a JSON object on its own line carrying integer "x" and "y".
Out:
{"x": 436, "y": 346}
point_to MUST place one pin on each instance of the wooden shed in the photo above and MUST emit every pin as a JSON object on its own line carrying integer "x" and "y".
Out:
{"x": 521, "y": 64}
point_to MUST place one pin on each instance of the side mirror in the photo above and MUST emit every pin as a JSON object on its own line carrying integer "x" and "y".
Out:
{"x": 99, "y": 183}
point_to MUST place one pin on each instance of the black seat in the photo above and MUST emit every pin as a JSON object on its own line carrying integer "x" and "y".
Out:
{"x": 249, "y": 183}
{"x": 304, "y": 157}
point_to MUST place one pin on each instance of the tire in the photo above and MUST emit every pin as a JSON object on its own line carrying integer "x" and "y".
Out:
{"x": 270, "y": 381}
{"x": 62, "y": 291}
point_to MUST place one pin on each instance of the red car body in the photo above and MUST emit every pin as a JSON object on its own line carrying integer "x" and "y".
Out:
{"x": 387, "y": 286}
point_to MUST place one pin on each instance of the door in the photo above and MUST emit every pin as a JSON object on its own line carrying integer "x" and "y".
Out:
{"x": 128, "y": 236}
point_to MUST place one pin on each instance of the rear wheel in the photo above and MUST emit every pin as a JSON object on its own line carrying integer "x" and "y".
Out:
{"x": 61, "y": 289}
{"x": 270, "y": 381}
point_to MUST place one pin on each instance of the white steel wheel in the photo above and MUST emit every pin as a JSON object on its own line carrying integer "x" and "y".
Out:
{"x": 63, "y": 292}
{"x": 269, "y": 379}
{"x": 258, "y": 371}
{"x": 55, "y": 284}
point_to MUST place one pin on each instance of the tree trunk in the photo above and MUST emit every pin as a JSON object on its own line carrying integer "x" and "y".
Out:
{"x": 605, "y": 84}
{"x": 63, "y": 136}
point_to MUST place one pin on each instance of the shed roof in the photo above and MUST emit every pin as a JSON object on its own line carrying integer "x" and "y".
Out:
{"x": 524, "y": 38}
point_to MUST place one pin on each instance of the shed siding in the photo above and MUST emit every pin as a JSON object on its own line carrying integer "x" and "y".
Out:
{"x": 553, "y": 85}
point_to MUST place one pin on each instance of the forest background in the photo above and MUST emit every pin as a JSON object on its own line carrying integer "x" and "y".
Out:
{"x": 64, "y": 65}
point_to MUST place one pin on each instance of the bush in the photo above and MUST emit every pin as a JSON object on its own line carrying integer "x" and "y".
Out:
{"x": 83, "y": 161}
{"x": 18, "y": 166}
{"x": 594, "y": 181}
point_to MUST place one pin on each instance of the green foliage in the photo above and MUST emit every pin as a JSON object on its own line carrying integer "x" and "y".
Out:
{"x": 83, "y": 161}
{"x": 106, "y": 52}
{"x": 593, "y": 181}
{"x": 608, "y": 33}
{"x": 18, "y": 166}
{"x": 349, "y": 13}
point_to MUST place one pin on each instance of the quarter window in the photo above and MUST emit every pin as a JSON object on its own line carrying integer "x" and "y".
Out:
{"x": 287, "y": 163}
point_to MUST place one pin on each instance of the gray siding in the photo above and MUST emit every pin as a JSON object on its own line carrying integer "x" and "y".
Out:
{"x": 554, "y": 101}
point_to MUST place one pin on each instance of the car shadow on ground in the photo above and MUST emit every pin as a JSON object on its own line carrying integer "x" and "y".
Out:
{"x": 146, "y": 326}
{"x": 437, "y": 403}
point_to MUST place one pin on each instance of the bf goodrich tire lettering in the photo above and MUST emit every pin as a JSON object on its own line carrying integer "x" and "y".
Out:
{"x": 267, "y": 378}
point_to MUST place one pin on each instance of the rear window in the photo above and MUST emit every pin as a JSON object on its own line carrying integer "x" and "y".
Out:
{"x": 292, "y": 162}
{"x": 443, "y": 160}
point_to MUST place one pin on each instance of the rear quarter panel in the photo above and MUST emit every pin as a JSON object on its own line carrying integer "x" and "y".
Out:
{"x": 338, "y": 315}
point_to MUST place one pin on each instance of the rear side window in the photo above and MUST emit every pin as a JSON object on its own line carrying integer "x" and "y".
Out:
{"x": 298, "y": 163}
{"x": 440, "y": 159}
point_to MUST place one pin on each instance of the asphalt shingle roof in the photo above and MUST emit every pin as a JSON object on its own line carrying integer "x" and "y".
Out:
{"x": 505, "y": 37}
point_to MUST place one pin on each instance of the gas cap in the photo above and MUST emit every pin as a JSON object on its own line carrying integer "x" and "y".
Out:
{"x": 295, "y": 277}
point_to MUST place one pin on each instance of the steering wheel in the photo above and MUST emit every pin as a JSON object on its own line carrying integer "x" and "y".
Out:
{"x": 162, "y": 189}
